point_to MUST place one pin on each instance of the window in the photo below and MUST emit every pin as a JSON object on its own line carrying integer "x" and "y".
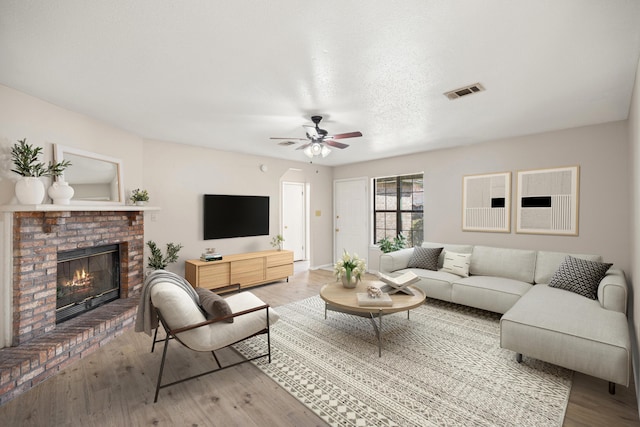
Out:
{"x": 398, "y": 208}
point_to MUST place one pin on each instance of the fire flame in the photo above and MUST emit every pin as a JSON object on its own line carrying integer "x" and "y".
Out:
{"x": 80, "y": 278}
{"x": 79, "y": 275}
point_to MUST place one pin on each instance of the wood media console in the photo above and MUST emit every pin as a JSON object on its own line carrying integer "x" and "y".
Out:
{"x": 250, "y": 269}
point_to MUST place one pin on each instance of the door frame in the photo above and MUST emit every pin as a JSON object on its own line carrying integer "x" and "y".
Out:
{"x": 305, "y": 214}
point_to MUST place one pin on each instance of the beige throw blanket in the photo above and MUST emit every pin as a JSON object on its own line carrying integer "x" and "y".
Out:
{"x": 147, "y": 319}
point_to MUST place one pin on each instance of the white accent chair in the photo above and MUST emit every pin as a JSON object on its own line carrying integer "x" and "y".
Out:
{"x": 184, "y": 321}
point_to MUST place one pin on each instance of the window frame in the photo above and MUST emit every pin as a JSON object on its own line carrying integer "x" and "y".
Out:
{"x": 398, "y": 209}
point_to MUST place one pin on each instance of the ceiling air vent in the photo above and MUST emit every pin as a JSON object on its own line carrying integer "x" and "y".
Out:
{"x": 464, "y": 91}
{"x": 286, "y": 143}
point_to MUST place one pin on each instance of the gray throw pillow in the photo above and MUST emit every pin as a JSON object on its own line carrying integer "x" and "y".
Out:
{"x": 426, "y": 258}
{"x": 213, "y": 304}
{"x": 580, "y": 276}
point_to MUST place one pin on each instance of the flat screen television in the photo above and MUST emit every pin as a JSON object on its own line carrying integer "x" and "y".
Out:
{"x": 227, "y": 216}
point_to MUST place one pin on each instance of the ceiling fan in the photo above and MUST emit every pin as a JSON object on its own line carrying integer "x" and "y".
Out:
{"x": 319, "y": 139}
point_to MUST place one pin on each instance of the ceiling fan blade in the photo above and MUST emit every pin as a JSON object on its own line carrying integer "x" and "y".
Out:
{"x": 302, "y": 147}
{"x": 311, "y": 131}
{"x": 287, "y": 143}
{"x": 335, "y": 144}
{"x": 346, "y": 135}
{"x": 290, "y": 139}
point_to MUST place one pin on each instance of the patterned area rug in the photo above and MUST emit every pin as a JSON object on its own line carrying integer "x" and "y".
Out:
{"x": 443, "y": 366}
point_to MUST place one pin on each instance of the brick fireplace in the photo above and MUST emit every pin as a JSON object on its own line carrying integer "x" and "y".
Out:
{"x": 39, "y": 347}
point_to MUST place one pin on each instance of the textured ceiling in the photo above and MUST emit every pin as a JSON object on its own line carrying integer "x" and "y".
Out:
{"x": 231, "y": 74}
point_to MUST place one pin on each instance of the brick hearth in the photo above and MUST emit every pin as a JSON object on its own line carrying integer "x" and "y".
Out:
{"x": 40, "y": 348}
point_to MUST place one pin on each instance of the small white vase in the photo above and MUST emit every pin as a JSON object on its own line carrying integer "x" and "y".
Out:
{"x": 61, "y": 192}
{"x": 140, "y": 203}
{"x": 29, "y": 190}
{"x": 350, "y": 284}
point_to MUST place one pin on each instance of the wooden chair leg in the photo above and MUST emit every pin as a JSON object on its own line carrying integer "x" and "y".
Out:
{"x": 612, "y": 388}
{"x": 519, "y": 357}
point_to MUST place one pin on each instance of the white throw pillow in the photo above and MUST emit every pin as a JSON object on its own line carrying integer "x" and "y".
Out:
{"x": 456, "y": 263}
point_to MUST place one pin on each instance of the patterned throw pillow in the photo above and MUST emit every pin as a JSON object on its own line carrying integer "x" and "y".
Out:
{"x": 426, "y": 258}
{"x": 456, "y": 263}
{"x": 580, "y": 276}
{"x": 213, "y": 304}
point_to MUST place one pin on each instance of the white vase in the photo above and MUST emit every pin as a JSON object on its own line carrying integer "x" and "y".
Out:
{"x": 140, "y": 203}
{"x": 29, "y": 190}
{"x": 350, "y": 284}
{"x": 61, "y": 192}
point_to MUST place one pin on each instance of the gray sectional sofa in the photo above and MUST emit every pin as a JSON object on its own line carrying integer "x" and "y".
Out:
{"x": 539, "y": 321}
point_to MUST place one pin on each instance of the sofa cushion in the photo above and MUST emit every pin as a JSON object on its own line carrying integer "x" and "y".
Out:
{"x": 564, "y": 329}
{"x": 426, "y": 258}
{"x": 517, "y": 264}
{"x": 213, "y": 304}
{"x": 548, "y": 262}
{"x": 497, "y": 294}
{"x": 579, "y": 276}
{"x": 456, "y": 263}
{"x": 462, "y": 249}
{"x": 435, "y": 284}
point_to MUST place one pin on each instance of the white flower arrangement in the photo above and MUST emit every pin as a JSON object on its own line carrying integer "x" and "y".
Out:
{"x": 350, "y": 266}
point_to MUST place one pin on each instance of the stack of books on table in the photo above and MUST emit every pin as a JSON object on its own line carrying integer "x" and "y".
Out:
{"x": 366, "y": 300}
{"x": 398, "y": 284}
{"x": 210, "y": 256}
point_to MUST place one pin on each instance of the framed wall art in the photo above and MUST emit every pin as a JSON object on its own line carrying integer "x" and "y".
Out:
{"x": 547, "y": 201}
{"x": 486, "y": 202}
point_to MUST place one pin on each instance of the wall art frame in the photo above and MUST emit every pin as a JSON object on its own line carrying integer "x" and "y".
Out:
{"x": 547, "y": 201}
{"x": 486, "y": 202}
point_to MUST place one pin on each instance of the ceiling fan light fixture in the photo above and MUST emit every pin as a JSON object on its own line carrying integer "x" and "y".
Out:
{"x": 307, "y": 151}
{"x": 316, "y": 148}
{"x": 320, "y": 143}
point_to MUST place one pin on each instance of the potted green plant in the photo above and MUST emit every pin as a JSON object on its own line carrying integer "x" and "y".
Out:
{"x": 276, "y": 242}
{"x": 349, "y": 269}
{"x": 25, "y": 158}
{"x": 139, "y": 197}
{"x": 60, "y": 191}
{"x": 387, "y": 245}
{"x": 158, "y": 261}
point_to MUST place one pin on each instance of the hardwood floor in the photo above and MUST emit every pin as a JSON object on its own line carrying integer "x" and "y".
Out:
{"x": 115, "y": 386}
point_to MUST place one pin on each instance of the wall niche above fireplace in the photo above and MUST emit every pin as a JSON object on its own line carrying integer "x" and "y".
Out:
{"x": 87, "y": 278}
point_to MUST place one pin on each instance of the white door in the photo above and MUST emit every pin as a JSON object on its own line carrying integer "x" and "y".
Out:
{"x": 293, "y": 219}
{"x": 351, "y": 217}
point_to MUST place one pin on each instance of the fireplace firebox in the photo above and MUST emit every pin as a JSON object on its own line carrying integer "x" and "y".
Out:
{"x": 87, "y": 278}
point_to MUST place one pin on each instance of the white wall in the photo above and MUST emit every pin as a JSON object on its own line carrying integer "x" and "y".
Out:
{"x": 634, "y": 138}
{"x": 601, "y": 151}
{"x": 178, "y": 175}
{"x": 43, "y": 124}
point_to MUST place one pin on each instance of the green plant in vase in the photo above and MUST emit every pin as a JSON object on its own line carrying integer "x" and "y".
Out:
{"x": 349, "y": 269}
{"x": 387, "y": 245}
{"x": 139, "y": 197}
{"x": 276, "y": 242}
{"x": 27, "y": 164}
